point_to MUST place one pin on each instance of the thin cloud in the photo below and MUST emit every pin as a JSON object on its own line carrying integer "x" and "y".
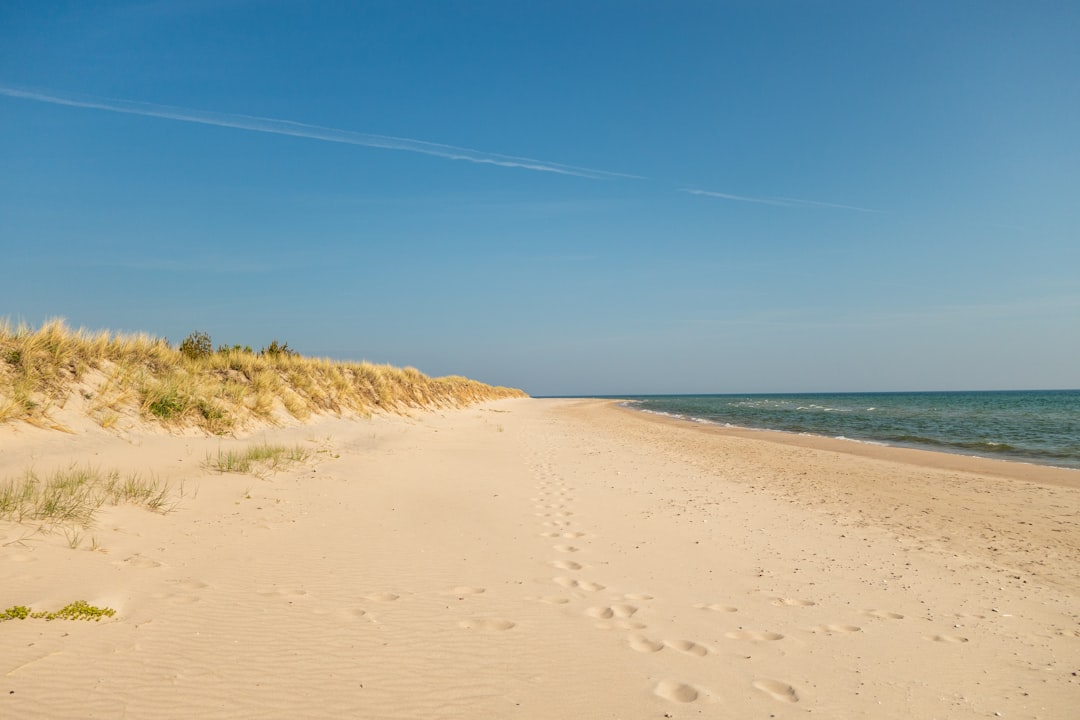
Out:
{"x": 315, "y": 132}
{"x": 777, "y": 201}
{"x": 292, "y": 128}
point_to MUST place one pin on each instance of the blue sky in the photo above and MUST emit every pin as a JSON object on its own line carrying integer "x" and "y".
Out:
{"x": 568, "y": 197}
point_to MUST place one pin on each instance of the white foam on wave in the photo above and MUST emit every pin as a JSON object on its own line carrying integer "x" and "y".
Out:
{"x": 857, "y": 440}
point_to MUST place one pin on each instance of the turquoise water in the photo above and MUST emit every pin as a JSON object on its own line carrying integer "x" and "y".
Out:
{"x": 1029, "y": 426}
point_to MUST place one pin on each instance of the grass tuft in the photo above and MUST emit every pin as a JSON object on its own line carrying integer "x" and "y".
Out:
{"x": 255, "y": 458}
{"x": 71, "y": 497}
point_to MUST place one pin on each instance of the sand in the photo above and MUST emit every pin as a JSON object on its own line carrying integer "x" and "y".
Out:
{"x": 549, "y": 559}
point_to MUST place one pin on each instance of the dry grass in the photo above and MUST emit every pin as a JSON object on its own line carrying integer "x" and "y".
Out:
{"x": 42, "y": 368}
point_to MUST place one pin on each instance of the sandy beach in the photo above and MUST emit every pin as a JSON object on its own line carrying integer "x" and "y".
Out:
{"x": 529, "y": 558}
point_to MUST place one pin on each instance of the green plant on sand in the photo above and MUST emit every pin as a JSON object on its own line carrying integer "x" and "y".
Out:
{"x": 78, "y": 610}
{"x": 72, "y": 496}
{"x": 255, "y": 457}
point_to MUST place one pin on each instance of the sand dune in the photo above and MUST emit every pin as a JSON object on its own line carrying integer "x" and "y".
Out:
{"x": 549, "y": 558}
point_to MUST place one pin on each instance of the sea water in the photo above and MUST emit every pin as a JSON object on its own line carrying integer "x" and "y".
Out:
{"x": 1040, "y": 427}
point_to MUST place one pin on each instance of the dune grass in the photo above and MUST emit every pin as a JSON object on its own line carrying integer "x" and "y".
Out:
{"x": 118, "y": 375}
{"x": 72, "y": 497}
{"x": 255, "y": 458}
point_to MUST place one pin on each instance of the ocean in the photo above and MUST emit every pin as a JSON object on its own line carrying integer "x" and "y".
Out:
{"x": 1041, "y": 427}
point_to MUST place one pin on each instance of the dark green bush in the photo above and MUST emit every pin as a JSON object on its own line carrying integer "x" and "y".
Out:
{"x": 275, "y": 349}
{"x": 197, "y": 345}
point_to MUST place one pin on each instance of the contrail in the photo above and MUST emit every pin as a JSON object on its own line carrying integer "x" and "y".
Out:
{"x": 314, "y": 132}
{"x": 779, "y": 201}
{"x": 292, "y": 128}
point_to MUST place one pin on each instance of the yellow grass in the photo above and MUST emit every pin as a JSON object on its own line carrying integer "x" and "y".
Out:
{"x": 42, "y": 369}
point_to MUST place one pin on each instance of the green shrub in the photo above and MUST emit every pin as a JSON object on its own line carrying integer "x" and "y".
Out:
{"x": 197, "y": 345}
{"x": 168, "y": 406}
{"x": 274, "y": 349}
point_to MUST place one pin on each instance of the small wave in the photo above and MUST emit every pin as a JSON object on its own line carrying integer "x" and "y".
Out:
{"x": 861, "y": 441}
{"x": 986, "y": 446}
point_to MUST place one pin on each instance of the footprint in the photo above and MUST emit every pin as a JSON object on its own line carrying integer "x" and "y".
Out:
{"x": 554, "y": 600}
{"x": 566, "y": 565}
{"x": 566, "y": 548}
{"x": 883, "y": 615}
{"x": 753, "y": 635}
{"x": 836, "y": 628}
{"x": 382, "y": 597}
{"x": 612, "y": 611}
{"x": 140, "y": 561}
{"x": 777, "y": 690}
{"x": 486, "y": 624}
{"x": 948, "y": 638}
{"x": 637, "y": 596}
{"x": 352, "y": 613}
{"x": 688, "y": 647}
{"x": 192, "y": 584}
{"x": 467, "y": 590}
{"x": 643, "y": 644}
{"x": 792, "y": 602}
{"x": 573, "y": 534}
{"x": 578, "y": 584}
{"x": 293, "y": 592}
{"x": 717, "y": 607}
{"x": 676, "y": 691}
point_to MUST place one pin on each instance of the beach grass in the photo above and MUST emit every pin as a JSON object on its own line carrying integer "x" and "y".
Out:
{"x": 255, "y": 458}
{"x": 72, "y": 496}
{"x": 191, "y": 385}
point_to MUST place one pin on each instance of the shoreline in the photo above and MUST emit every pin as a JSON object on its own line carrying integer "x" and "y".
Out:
{"x": 945, "y": 459}
{"x": 903, "y": 419}
{"x": 530, "y": 559}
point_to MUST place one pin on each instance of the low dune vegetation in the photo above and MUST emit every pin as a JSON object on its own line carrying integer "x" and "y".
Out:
{"x": 73, "y": 496}
{"x": 115, "y": 376}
